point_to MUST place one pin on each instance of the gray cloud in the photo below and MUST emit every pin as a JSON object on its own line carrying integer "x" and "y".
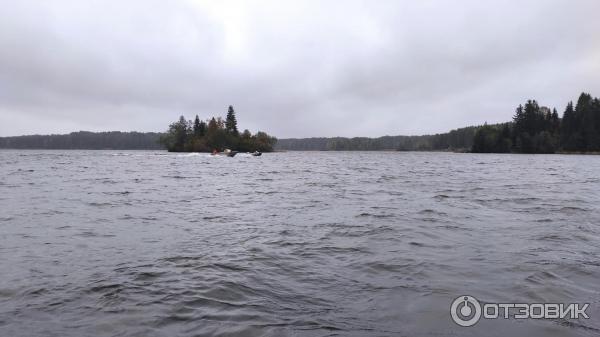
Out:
{"x": 305, "y": 68}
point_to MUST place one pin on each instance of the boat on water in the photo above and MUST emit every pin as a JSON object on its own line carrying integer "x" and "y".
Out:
{"x": 230, "y": 153}
{"x": 226, "y": 152}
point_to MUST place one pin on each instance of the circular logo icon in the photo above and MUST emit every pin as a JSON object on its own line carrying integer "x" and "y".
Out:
{"x": 465, "y": 310}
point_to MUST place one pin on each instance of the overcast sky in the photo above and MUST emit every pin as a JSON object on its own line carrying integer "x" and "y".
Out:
{"x": 291, "y": 68}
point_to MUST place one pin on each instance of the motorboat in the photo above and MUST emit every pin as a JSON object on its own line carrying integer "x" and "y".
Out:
{"x": 256, "y": 153}
{"x": 226, "y": 152}
{"x": 229, "y": 153}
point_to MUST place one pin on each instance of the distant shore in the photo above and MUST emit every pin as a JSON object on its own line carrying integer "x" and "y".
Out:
{"x": 534, "y": 129}
{"x": 116, "y": 140}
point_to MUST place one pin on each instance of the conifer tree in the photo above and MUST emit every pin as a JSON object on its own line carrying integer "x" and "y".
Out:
{"x": 231, "y": 122}
{"x": 213, "y": 125}
{"x": 197, "y": 127}
{"x": 202, "y": 127}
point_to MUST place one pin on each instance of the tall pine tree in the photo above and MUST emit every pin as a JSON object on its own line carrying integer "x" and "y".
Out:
{"x": 231, "y": 122}
{"x": 197, "y": 127}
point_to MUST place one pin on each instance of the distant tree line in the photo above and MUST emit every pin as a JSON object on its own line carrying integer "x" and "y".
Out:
{"x": 84, "y": 140}
{"x": 214, "y": 134}
{"x": 455, "y": 140}
{"x": 536, "y": 129}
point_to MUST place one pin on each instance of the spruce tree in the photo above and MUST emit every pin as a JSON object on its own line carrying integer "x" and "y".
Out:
{"x": 568, "y": 128}
{"x": 181, "y": 129}
{"x": 518, "y": 119}
{"x": 213, "y": 125}
{"x": 197, "y": 127}
{"x": 555, "y": 122}
{"x": 231, "y": 122}
{"x": 202, "y": 128}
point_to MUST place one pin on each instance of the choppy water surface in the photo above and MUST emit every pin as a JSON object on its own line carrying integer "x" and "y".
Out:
{"x": 105, "y": 243}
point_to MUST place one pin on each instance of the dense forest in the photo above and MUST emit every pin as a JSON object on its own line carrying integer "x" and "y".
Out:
{"x": 536, "y": 129}
{"x": 455, "y": 140}
{"x": 84, "y": 140}
{"x": 214, "y": 135}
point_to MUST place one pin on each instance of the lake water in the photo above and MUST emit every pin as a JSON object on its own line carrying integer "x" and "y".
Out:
{"x": 108, "y": 243}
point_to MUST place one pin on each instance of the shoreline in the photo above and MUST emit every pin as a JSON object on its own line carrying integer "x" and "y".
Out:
{"x": 591, "y": 153}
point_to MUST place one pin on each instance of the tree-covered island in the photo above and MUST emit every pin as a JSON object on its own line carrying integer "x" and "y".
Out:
{"x": 214, "y": 134}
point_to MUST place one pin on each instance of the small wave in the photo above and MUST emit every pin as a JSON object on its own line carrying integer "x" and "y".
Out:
{"x": 552, "y": 237}
{"x": 107, "y": 181}
{"x": 377, "y": 216}
{"x": 572, "y": 209}
{"x": 431, "y": 211}
{"x": 7, "y": 293}
{"x": 148, "y": 276}
{"x": 579, "y": 325}
{"x": 385, "y": 178}
{"x": 99, "y": 204}
{"x": 386, "y": 267}
{"x": 21, "y": 171}
{"x": 225, "y": 266}
{"x": 342, "y": 250}
{"x": 214, "y": 217}
{"x": 176, "y": 177}
{"x": 87, "y": 234}
{"x": 106, "y": 288}
{"x": 117, "y": 193}
{"x": 285, "y": 232}
{"x": 267, "y": 192}
{"x": 35, "y": 292}
{"x": 541, "y": 277}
